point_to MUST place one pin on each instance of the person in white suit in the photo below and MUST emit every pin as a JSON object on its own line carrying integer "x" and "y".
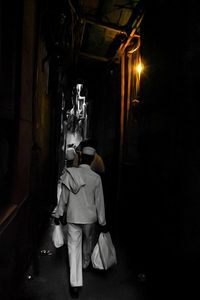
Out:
{"x": 82, "y": 197}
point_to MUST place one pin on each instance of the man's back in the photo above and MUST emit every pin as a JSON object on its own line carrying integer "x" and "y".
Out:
{"x": 86, "y": 203}
{"x": 91, "y": 179}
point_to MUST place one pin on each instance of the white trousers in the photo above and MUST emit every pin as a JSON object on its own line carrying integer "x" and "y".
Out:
{"x": 80, "y": 242}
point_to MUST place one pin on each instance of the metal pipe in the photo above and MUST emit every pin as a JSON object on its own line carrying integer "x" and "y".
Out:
{"x": 137, "y": 45}
{"x": 132, "y": 34}
{"x": 129, "y": 85}
{"x": 122, "y": 106}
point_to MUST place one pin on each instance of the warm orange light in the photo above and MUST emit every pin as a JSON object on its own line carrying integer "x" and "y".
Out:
{"x": 139, "y": 68}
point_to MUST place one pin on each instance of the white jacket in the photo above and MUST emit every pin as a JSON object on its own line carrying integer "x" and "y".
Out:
{"x": 82, "y": 193}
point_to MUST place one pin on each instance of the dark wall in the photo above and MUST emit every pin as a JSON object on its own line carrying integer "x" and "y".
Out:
{"x": 26, "y": 123}
{"x": 169, "y": 140}
{"x": 170, "y": 93}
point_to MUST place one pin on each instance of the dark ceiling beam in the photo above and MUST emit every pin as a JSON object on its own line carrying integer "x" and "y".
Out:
{"x": 105, "y": 25}
{"x": 136, "y": 13}
{"x": 91, "y": 56}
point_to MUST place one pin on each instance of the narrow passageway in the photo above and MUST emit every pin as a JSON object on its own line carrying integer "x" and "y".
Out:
{"x": 52, "y": 281}
{"x": 78, "y": 71}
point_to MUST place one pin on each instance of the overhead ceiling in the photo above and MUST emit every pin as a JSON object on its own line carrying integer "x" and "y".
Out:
{"x": 107, "y": 25}
{"x": 93, "y": 29}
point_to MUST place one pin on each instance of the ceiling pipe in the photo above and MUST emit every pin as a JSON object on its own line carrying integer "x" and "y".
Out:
{"x": 131, "y": 35}
{"x": 134, "y": 47}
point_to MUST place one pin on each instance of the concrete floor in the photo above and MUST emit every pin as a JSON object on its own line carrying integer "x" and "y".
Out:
{"x": 118, "y": 283}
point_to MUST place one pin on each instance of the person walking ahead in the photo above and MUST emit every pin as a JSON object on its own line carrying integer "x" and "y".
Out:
{"x": 82, "y": 193}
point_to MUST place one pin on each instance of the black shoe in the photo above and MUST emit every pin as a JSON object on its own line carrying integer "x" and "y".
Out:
{"x": 74, "y": 291}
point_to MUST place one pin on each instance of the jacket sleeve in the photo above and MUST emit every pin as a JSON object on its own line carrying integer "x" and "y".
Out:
{"x": 59, "y": 189}
{"x": 63, "y": 200}
{"x": 99, "y": 202}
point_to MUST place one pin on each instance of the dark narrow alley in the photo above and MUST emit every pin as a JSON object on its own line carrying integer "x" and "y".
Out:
{"x": 124, "y": 75}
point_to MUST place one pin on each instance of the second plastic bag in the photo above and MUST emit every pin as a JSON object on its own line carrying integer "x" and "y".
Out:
{"x": 104, "y": 253}
{"x": 57, "y": 236}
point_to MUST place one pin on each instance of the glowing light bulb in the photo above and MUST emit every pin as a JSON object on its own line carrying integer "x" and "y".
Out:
{"x": 139, "y": 68}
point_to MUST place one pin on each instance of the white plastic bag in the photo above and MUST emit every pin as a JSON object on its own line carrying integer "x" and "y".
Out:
{"x": 96, "y": 258}
{"x": 107, "y": 250}
{"x": 58, "y": 236}
{"x": 104, "y": 253}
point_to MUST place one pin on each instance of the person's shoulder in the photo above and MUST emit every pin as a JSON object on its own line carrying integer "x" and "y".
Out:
{"x": 67, "y": 172}
{"x": 73, "y": 168}
{"x": 95, "y": 175}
